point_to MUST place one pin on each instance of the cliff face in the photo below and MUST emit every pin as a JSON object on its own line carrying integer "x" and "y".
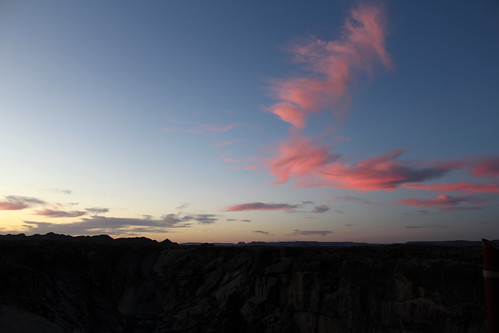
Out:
{"x": 109, "y": 286}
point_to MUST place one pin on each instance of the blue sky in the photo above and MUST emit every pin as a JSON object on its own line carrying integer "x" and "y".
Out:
{"x": 189, "y": 120}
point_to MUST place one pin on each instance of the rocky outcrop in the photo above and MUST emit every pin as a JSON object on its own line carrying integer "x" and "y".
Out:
{"x": 59, "y": 284}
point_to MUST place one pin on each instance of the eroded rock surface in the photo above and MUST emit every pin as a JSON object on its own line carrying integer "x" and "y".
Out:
{"x": 59, "y": 284}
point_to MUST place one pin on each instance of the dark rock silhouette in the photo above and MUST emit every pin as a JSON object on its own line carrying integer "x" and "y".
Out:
{"x": 56, "y": 283}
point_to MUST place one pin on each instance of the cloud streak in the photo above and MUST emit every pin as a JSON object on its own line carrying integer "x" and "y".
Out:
{"x": 350, "y": 198}
{"x": 312, "y": 232}
{"x": 456, "y": 187}
{"x": 315, "y": 166}
{"x": 14, "y": 202}
{"x": 97, "y": 210}
{"x": 321, "y": 209}
{"x": 259, "y": 206}
{"x": 445, "y": 202}
{"x": 60, "y": 213}
{"x": 206, "y": 128}
{"x": 331, "y": 66}
{"x": 119, "y": 226}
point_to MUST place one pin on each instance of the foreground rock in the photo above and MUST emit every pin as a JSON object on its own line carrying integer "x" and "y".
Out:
{"x": 61, "y": 284}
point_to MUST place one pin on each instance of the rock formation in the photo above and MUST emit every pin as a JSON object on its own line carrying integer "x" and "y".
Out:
{"x": 57, "y": 283}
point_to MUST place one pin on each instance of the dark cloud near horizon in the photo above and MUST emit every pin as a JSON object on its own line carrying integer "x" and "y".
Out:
{"x": 321, "y": 209}
{"x": 312, "y": 232}
{"x": 96, "y": 225}
{"x": 205, "y": 218}
{"x": 240, "y": 220}
{"x": 261, "y": 232}
{"x": 60, "y": 213}
{"x": 422, "y": 226}
{"x": 260, "y": 206}
{"x": 290, "y": 208}
{"x": 97, "y": 210}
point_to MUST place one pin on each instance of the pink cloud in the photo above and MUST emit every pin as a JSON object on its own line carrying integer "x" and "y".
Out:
{"x": 487, "y": 167}
{"x": 15, "y": 202}
{"x": 259, "y": 206}
{"x": 442, "y": 200}
{"x": 460, "y": 186}
{"x": 289, "y": 113}
{"x": 315, "y": 165}
{"x": 384, "y": 172}
{"x": 299, "y": 157}
{"x": 5, "y": 205}
{"x": 477, "y": 166}
{"x": 333, "y": 65}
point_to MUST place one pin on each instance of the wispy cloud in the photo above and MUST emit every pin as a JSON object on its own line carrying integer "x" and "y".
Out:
{"x": 119, "y": 226}
{"x": 331, "y": 66}
{"x": 290, "y": 208}
{"x": 182, "y": 205}
{"x": 314, "y": 165}
{"x": 14, "y": 202}
{"x": 329, "y": 69}
{"x": 486, "y": 167}
{"x": 97, "y": 210}
{"x": 226, "y": 143}
{"x": 350, "y": 198}
{"x": 60, "y": 213}
{"x": 58, "y": 190}
{"x": 312, "y": 232}
{"x": 321, "y": 209}
{"x": 6, "y": 205}
{"x": 477, "y": 166}
{"x": 261, "y": 232}
{"x": 260, "y": 206}
{"x": 426, "y": 226}
{"x": 207, "y": 128}
{"x": 299, "y": 157}
{"x": 204, "y": 218}
{"x": 226, "y": 128}
{"x": 444, "y": 201}
{"x": 456, "y": 187}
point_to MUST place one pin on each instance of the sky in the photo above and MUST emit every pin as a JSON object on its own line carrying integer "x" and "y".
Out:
{"x": 228, "y": 121}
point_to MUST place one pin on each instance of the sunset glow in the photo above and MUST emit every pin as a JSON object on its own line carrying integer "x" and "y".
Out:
{"x": 228, "y": 122}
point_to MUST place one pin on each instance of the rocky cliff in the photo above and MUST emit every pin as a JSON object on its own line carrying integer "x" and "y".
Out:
{"x": 96, "y": 284}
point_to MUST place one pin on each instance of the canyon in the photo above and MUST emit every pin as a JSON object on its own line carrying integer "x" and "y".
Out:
{"x": 57, "y": 283}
